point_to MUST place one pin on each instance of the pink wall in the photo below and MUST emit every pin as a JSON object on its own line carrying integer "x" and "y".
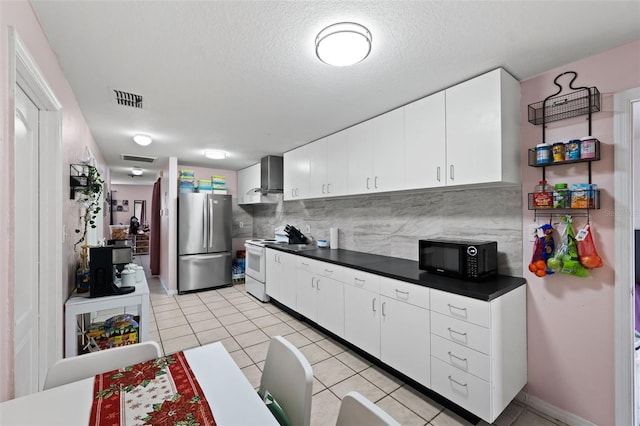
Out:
{"x": 76, "y": 138}
{"x": 131, "y": 193}
{"x": 571, "y": 320}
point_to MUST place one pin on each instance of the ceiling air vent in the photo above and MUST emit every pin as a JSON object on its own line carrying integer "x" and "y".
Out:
{"x": 128, "y": 99}
{"x": 139, "y": 158}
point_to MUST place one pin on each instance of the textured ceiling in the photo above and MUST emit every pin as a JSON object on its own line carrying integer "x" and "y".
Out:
{"x": 242, "y": 76}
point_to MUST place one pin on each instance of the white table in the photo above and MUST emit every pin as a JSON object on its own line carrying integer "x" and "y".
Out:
{"x": 81, "y": 303}
{"x": 232, "y": 399}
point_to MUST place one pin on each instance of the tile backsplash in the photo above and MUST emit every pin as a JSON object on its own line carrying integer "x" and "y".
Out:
{"x": 391, "y": 224}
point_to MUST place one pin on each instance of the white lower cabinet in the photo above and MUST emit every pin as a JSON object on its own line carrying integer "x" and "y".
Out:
{"x": 479, "y": 350}
{"x": 362, "y": 319}
{"x": 319, "y": 297}
{"x": 470, "y": 351}
{"x": 404, "y": 334}
{"x": 280, "y": 284}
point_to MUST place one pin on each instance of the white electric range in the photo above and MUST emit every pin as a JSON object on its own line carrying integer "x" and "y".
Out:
{"x": 255, "y": 267}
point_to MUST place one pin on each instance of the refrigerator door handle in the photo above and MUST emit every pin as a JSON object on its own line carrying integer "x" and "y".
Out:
{"x": 204, "y": 224}
{"x": 210, "y": 221}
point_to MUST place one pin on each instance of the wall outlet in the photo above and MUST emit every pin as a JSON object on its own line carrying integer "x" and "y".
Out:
{"x": 241, "y": 225}
{"x": 307, "y": 229}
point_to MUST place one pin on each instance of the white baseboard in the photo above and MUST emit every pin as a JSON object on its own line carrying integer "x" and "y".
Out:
{"x": 552, "y": 411}
{"x": 169, "y": 292}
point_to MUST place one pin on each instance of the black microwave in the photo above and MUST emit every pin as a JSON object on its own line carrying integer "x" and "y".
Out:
{"x": 465, "y": 259}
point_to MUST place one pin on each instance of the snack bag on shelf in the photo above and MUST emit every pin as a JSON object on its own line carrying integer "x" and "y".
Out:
{"x": 589, "y": 257}
{"x": 542, "y": 250}
{"x": 565, "y": 259}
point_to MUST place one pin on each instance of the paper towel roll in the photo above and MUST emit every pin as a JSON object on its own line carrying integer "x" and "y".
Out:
{"x": 333, "y": 238}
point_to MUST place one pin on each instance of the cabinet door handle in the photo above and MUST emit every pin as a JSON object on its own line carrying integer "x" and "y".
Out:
{"x": 438, "y": 173}
{"x": 368, "y": 183}
{"x": 462, "y": 312}
{"x": 375, "y": 182}
{"x": 464, "y": 385}
{"x": 328, "y": 188}
{"x": 383, "y": 314}
{"x": 293, "y": 194}
{"x": 358, "y": 280}
{"x": 323, "y": 186}
{"x": 457, "y": 357}
{"x": 373, "y": 304}
{"x": 451, "y": 172}
{"x": 312, "y": 279}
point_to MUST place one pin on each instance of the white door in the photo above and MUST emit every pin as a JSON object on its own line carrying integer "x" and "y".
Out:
{"x": 405, "y": 339}
{"x": 337, "y": 163}
{"x": 388, "y": 151}
{"x": 330, "y": 305}
{"x": 318, "y": 168}
{"x": 362, "y": 319}
{"x": 425, "y": 142}
{"x": 360, "y": 158}
{"x": 26, "y": 311}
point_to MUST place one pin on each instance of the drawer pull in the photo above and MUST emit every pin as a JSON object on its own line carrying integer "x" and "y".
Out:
{"x": 402, "y": 294}
{"x": 328, "y": 271}
{"x": 452, "y": 332}
{"x": 461, "y": 312}
{"x": 457, "y": 357}
{"x": 304, "y": 264}
{"x": 464, "y": 385}
{"x": 358, "y": 280}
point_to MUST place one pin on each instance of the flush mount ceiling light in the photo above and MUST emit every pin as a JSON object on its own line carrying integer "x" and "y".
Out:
{"x": 137, "y": 171}
{"x": 215, "y": 154}
{"x": 143, "y": 140}
{"x": 343, "y": 44}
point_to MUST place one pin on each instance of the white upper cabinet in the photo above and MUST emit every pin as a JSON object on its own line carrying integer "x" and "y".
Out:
{"x": 388, "y": 151}
{"x": 483, "y": 136}
{"x": 425, "y": 142}
{"x": 360, "y": 158}
{"x": 337, "y": 163}
{"x": 467, "y": 134}
{"x": 296, "y": 173}
{"x": 318, "y": 163}
{"x": 248, "y": 180}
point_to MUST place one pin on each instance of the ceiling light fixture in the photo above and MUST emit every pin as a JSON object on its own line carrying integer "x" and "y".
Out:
{"x": 343, "y": 44}
{"x": 215, "y": 154}
{"x": 143, "y": 140}
{"x": 136, "y": 171}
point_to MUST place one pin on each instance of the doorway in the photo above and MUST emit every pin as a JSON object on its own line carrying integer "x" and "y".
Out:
{"x": 39, "y": 234}
{"x": 626, "y": 137}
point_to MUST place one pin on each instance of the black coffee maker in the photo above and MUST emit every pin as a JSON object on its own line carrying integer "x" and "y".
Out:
{"x": 102, "y": 274}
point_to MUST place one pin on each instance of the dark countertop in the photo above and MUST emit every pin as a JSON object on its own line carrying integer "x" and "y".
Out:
{"x": 407, "y": 270}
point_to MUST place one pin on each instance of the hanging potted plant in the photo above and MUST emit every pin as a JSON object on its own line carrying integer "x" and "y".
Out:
{"x": 90, "y": 200}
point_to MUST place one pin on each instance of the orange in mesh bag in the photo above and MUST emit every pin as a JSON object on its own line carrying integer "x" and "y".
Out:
{"x": 589, "y": 257}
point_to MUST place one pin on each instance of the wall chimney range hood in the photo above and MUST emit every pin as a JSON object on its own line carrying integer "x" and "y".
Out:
{"x": 271, "y": 175}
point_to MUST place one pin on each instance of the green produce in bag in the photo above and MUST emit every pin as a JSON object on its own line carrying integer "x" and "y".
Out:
{"x": 566, "y": 260}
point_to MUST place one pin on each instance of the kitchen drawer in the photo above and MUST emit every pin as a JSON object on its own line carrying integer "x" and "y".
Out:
{"x": 461, "y": 307}
{"x": 405, "y": 292}
{"x": 332, "y": 271}
{"x": 461, "y": 357}
{"x": 462, "y": 332}
{"x": 307, "y": 264}
{"x": 363, "y": 280}
{"x": 464, "y": 389}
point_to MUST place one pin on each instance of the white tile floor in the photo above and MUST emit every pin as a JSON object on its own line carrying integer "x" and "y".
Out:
{"x": 245, "y": 325}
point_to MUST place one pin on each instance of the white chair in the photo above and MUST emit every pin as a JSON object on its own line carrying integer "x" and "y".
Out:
{"x": 356, "y": 410}
{"x": 288, "y": 377}
{"x": 80, "y": 367}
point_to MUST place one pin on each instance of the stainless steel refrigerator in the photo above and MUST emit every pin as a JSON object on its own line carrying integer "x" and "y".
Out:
{"x": 204, "y": 241}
